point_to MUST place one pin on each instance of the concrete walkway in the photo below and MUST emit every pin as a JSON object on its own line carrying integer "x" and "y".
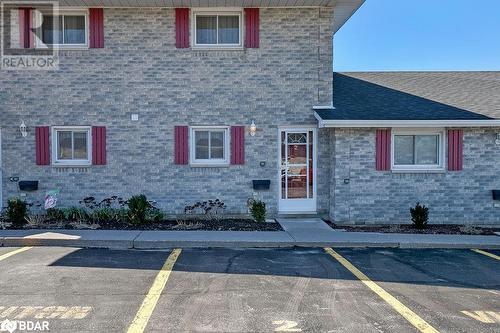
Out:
{"x": 303, "y": 232}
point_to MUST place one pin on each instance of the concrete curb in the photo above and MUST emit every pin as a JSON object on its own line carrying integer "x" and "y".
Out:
{"x": 121, "y": 239}
{"x": 243, "y": 239}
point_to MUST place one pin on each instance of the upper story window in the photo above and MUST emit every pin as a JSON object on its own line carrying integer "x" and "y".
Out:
{"x": 209, "y": 145}
{"x": 217, "y": 29}
{"x": 418, "y": 150}
{"x": 68, "y": 29}
{"x": 72, "y": 145}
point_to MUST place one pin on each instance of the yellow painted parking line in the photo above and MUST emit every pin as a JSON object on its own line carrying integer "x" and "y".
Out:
{"x": 409, "y": 315}
{"x": 485, "y": 317}
{"x": 11, "y": 253}
{"x": 141, "y": 319}
{"x": 491, "y": 255}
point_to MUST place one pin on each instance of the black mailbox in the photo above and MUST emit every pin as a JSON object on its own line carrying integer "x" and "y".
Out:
{"x": 496, "y": 194}
{"x": 262, "y": 184}
{"x": 28, "y": 185}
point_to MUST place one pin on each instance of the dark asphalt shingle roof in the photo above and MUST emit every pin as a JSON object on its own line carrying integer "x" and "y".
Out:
{"x": 415, "y": 96}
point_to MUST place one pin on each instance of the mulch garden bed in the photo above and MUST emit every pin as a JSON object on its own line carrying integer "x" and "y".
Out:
{"x": 432, "y": 229}
{"x": 172, "y": 225}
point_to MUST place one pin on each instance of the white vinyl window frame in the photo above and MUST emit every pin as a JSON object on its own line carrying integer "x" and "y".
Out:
{"x": 38, "y": 19}
{"x": 216, "y": 12}
{"x": 55, "y": 146}
{"x": 439, "y": 167}
{"x": 208, "y": 162}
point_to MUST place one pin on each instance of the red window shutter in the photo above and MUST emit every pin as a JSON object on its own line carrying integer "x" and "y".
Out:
{"x": 455, "y": 150}
{"x": 96, "y": 28}
{"x": 383, "y": 150}
{"x": 99, "y": 145}
{"x": 181, "y": 148}
{"x": 42, "y": 146}
{"x": 237, "y": 145}
{"x": 26, "y": 39}
{"x": 182, "y": 28}
{"x": 252, "y": 22}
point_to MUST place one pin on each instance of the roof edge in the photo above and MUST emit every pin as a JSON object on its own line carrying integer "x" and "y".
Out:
{"x": 343, "y": 10}
{"x": 405, "y": 123}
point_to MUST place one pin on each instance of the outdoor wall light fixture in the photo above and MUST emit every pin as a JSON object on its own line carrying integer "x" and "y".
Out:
{"x": 253, "y": 128}
{"x": 23, "y": 129}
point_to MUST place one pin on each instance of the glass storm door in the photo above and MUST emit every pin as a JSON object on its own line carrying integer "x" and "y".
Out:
{"x": 297, "y": 171}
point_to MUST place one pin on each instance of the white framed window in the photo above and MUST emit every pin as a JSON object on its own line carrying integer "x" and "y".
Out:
{"x": 217, "y": 28}
{"x": 71, "y": 145}
{"x": 66, "y": 29}
{"x": 209, "y": 146}
{"x": 417, "y": 150}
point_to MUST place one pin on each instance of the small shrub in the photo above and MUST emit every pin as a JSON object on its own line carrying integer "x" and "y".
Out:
{"x": 56, "y": 215}
{"x": 89, "y": 202}
{"x": 121, "y": 215}
{"x": 258, "y": 210}
{"x": 75, "y": 214}
{"x": 110, "y": 202}
{"x": 188, "y": 225}
{"x": 138, "y": 206}
{"x": 419, "y": 216}
{"x": 36, "y": 220}
{"x": 211, "y": 209}
{"x": 101, "y": 215}
{"x": 154, "y": 215}
{"x": 16, "y": 211}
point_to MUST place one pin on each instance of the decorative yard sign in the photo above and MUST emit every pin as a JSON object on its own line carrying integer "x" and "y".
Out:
{"x": 51, "y": 199}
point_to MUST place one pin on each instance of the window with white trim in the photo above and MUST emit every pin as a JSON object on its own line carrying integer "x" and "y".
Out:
{"x": 71, "y": 145}
{"x": 417, "y": 150}
{"x": 209, "y": 145}
{"x": 217, "y": 29}
{"x": 67, "y": 29}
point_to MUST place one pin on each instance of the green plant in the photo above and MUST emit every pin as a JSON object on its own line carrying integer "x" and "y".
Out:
{"x": 121, "y": 215}
{"x": 258, "y": 210}
{"x": 16, "y": 211}
{"x": 155, "y": 215}
{"x": 138, "y": 206}
{"x": 211, "y": 209}
{"x": 55, "y": 214}
{"x": 419, "y": 216}
{"x": 102, "y": 215}
{"x": 75, "y": 214}
{"x": 35, "y": 220}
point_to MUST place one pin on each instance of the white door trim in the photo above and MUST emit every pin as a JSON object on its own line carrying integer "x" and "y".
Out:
{"x": 1, "y": 172}
{"x": 312, "y": 209}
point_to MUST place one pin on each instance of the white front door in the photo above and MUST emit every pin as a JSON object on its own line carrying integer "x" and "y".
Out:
{"x": 297, "y": 176}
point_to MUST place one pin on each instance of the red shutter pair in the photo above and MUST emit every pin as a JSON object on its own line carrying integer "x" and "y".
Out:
{"x": 383, "y": 150}
{"x": 42, "y": 145}
{"x": 96, "y": 28}
{"x": 26, "y": 38}
{"x": 252, "y": 23}
{"x": 181, "y": 148}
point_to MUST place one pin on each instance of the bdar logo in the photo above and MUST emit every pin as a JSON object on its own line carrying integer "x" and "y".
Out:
{"x": 8, "y": 325}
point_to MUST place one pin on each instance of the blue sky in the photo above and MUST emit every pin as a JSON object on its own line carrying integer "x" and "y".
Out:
{"x": 420, "y": 35}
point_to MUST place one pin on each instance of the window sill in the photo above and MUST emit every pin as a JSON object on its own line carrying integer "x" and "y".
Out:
{"x": 217, "y": 48}
{"x": 419, "y": 171}
{"x": 64, "y": 48}
{"x": 207, "y": 165}
{"x": 77, "y": 165}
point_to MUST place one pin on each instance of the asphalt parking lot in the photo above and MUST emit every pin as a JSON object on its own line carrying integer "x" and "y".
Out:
{"x": 251, "y": 290}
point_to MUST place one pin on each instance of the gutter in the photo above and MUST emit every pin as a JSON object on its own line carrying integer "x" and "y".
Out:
{"x": 405, "y": 123}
